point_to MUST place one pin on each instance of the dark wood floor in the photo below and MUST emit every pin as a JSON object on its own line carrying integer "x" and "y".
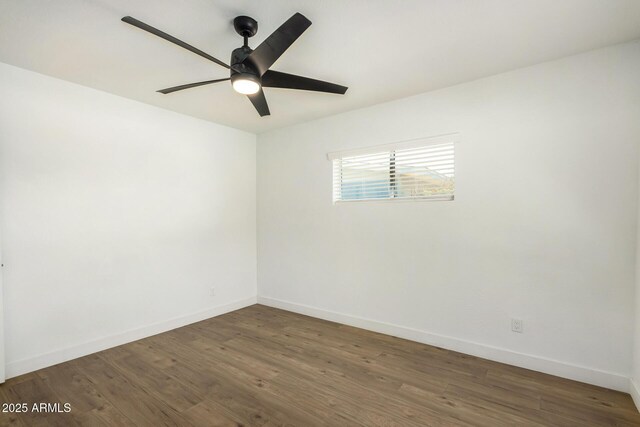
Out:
{"x": 265, "y": 367}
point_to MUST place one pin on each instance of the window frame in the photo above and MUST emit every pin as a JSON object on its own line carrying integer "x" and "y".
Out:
{"x": 452, "y": 138}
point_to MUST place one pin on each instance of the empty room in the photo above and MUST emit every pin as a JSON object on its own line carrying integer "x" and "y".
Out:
{"x": 319, "y": 213}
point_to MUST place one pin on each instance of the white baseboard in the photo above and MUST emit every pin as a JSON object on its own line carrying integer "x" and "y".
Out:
{"x": 19, "y": 367}
{"x": 541, "y": 364}
{"x": 634, "y": 391}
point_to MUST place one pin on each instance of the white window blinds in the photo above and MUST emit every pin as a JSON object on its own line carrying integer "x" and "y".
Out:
{"x": 419, "y": 169}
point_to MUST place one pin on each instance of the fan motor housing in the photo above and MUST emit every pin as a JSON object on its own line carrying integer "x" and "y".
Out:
{"x": 238, "y": 67}
{"x": 238, "y": 55}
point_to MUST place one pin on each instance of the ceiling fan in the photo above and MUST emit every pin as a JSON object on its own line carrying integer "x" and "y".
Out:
{"x": 249, "y": 69}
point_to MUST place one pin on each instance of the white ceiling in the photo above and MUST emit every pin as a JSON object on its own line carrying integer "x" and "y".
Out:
{"x": 381, "y": 49}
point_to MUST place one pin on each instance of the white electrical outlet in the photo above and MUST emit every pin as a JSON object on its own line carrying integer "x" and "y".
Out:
{"x": 213, "y": 291}
{"x": 516, "y": 325}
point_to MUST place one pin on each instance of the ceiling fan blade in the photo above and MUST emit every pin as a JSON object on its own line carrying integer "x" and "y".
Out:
{"x": 291, "y": 81}
{"x": 190, "y": 85}
{"x": 260, "y": 102}
{"x": 277, "y": 43}
{"x": 168, "y": 37}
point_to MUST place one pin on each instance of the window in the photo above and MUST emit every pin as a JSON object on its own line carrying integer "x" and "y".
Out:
{"x": 419, "y": 169}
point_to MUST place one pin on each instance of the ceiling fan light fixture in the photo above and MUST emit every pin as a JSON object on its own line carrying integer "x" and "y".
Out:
{"x": 246, "y": 84}
{"x": 250, "y": 69}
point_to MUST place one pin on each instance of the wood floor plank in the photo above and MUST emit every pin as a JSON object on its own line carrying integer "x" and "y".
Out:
{"x": 208, "y": 414}
{"x": 332, "y": 358}
{"x": 357, "y": 389}
{"x": 499, "y": 403}
{"x": 260, "y": 366}
{"x": 126, "y": 394}
{"x": 463, "y": 412}
{"x": 73, "y": 387}
{"x": 104, "y": 416}
{"x": 35, "y": 392}
{"x": 241, "y": 392}
{"x": 8, "y": 418}
{"x": 537, "y": 383}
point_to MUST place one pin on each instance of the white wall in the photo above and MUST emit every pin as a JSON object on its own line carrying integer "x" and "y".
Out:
{"x": 117, "y": 219}
{"x": 634, "y": 386}
{"x": 2, "y": 363}
{"x": 543, "y": 227}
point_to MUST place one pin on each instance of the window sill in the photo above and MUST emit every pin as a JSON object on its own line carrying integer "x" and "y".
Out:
{"x": 399, "y": 199}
